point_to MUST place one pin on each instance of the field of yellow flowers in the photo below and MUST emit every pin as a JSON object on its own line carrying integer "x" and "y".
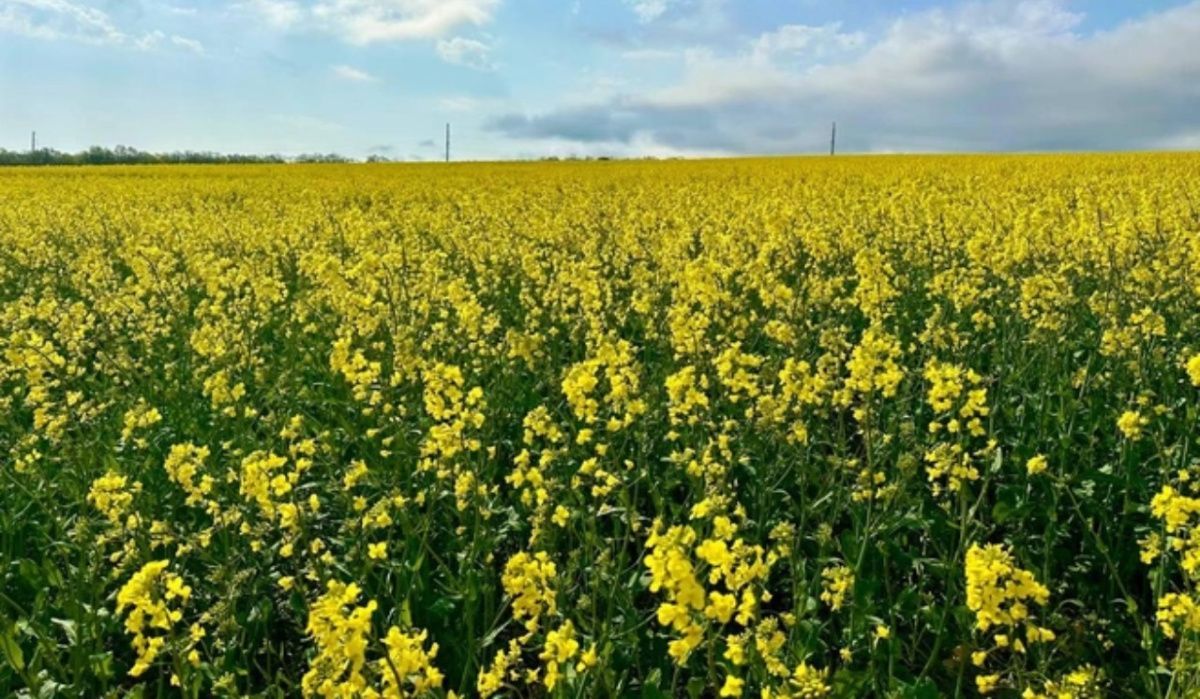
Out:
{"x": 847, "y": 427}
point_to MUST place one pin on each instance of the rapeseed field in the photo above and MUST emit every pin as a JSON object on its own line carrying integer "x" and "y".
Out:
{"x": 847, "y": 427}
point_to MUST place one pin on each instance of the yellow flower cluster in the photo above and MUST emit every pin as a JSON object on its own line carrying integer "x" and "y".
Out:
{"x": 183, "y": 465}
{"x": 1193, "y": 369}
{"x": 138, "y": 418}
{"x": 263, "y": 481}
{"x": 949, "y": 382}
{"x": 560, "y": 648}
{"x": 528, "y": 580}
{"x": 673, "y": 574}
{"x": 151, "y": 601}
{"x": 112, "y": 494}
{"x": 407, "y": 666}
{"x": 997, "y": 590}
{"x": 1084, "y": 682}
{"x": 1180, "y": 517}
{"x": 709, "y": 584}
{"x": 838, "y": 581}
{"x": 949, "y": 467}
{"x": 614, "y": 362}
{"x": 874, "y": 366}
{"x": 1131, "y": 423}
{"x": 341, "y": 630}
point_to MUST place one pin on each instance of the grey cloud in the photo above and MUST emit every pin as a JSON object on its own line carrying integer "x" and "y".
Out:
{"x": 988, "y": 76}
{"x": 586, "y": 124}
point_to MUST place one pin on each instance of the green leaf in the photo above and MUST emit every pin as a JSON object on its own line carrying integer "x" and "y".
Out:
{"x": 70, "y": 628}
{"x": 650, "y": 689}
{"x": 30, "y": 572}
{"x": 12, "y": 650}
{"x": 406, "y": 614}
{"x": 1003, "y": 509}
{"x": 101, "y": 665}
{"x": 53, "y": 576}
{"x": 925, "y": 689}
{"x": 49, "y": 689}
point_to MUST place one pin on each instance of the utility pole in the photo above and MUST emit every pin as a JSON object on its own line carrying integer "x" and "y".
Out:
{"x": 447, "y": 141}
{"x": 33, "y": 142}
{"x": 833, "y": 140}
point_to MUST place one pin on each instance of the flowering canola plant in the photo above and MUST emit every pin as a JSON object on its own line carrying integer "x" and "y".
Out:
{"x": 848, "y": 427}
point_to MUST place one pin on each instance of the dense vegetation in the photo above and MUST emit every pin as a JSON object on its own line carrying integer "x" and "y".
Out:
{"x": 902, "y": 426}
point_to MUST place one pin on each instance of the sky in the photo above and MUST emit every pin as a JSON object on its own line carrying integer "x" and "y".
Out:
{"x": 624, "y": 78}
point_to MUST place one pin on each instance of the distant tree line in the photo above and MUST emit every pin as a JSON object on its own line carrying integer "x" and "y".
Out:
{"x": 124, "y": 155}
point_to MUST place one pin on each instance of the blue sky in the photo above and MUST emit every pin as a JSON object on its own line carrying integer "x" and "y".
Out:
{"x": 526, "y": 78}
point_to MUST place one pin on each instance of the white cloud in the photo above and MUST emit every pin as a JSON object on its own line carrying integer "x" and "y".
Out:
{"x": 150, "y": 40}
{"x": 369, "y": 21}
{"x": 184, "y": 42}
{"x": 364, "y": 22}
{"x": 353, "y": 74}
{"x": 649, "y": 54}
{"x": 802, "y": 39}
{"x": 73, "y": 21}
{"x": 684, "y": 18}
{"x": 995, "y": 75}
{"x": 1181, "y": 141}
{"x": 155, "y": 39}
{"x": 648, "y": 10}
{"x": 461, "y": 103}
{"x": 466, "y": 52}
{"x": 281, "y": 14}
{"x": 58, "y": 19}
